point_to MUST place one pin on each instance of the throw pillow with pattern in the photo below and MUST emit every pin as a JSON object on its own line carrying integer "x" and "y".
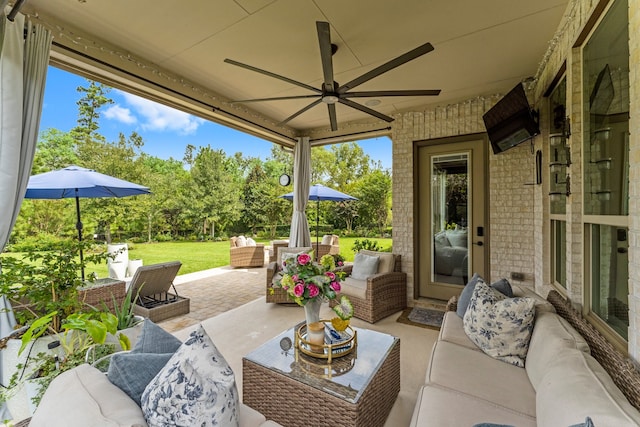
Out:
{"x": 195, "y": 388}
{"x": 500, "y": 326}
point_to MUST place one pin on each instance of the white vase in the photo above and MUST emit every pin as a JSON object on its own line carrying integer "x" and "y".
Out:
{"x": 312, "y": 310}
{"x": 117, "y": 270}
{"x": 121, "y": 252}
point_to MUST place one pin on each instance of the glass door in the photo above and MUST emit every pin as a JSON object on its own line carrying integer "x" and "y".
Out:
{"x": 452, "y": 233}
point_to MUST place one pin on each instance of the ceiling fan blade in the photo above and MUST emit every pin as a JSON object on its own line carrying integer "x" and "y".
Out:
{"x": 270, "y": 74}
{"x": 324, "y": 38}
{"x": 365, "y": 109}
{"x": 297, "y": 113}
{"x": 413, "y": 54}
{"x": 332, "y": 116}
{"x": 377, "y": 93}
{"x": 277, "y": 98}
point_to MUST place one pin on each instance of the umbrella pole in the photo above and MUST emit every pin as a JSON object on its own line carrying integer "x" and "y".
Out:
{"x": 317, "y": 224}
{"x": 79, "y": 227}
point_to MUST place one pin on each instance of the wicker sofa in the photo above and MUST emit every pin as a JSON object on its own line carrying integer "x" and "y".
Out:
{"x": 380, "y": 294}
{"x": 571, "y": 373}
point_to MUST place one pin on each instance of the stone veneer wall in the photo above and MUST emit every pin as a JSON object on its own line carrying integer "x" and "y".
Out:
{"x": 518, "y": 214}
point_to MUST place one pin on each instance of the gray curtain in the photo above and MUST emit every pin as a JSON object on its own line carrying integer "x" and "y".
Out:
{"x": 23, "y": 71}
{"x": 299, "y": 236}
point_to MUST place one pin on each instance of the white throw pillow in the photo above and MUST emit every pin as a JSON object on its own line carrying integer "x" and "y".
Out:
{"x": 195, "y": 388}
{"x": 326, "y": 239}
{"x": 251, "y": 242}
{"x": 500, "y": 326}
{"x": 364, "y": 266}
{"x": 241, "y": 241}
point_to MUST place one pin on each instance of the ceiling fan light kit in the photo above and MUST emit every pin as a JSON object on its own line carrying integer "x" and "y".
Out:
{"x": 331, "y": 93}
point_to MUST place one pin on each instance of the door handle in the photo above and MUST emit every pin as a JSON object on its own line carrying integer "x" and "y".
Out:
{"x": 478, "y": 243}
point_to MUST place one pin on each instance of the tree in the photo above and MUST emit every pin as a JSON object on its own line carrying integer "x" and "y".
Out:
{"x": 216, "y": 189}
{"x": 374, "y": 194}
{"x": 55, "y": 150}
{"x": 255, "y": 198}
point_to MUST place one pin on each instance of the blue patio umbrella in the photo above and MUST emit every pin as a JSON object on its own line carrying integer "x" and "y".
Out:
{"x": 320, "y": 193}
{"x": 74, "y": 181}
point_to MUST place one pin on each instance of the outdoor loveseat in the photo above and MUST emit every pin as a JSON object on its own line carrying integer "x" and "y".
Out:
{"x": 245, "y": 252}
{"x": 571, "y": 372}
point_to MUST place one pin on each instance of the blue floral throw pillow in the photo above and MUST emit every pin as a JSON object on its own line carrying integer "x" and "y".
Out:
{"x": 500, "y": 326}
{"x": 195, "y": 388}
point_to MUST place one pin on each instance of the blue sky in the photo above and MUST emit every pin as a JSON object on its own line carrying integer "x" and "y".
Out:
{"x": 165, "y": 131}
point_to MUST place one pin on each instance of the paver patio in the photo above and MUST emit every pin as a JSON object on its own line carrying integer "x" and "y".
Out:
{"x": 215, "y": 291}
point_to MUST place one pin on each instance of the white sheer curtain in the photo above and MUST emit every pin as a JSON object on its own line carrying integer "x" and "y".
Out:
{"x": 299, "y": 235}
{"x": 23, "y": 71}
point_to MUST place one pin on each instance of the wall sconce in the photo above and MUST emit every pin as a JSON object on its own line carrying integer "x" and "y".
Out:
{"x": 556, "y": 139}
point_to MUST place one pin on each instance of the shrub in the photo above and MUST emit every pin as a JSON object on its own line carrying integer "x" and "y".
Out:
{"x": 366, "y": 244}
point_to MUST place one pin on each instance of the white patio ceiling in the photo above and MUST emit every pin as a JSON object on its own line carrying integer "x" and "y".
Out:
{"x": 173, "y": 52}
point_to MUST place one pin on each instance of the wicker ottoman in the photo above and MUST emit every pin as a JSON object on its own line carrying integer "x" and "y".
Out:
{"x": 294, "y": 389}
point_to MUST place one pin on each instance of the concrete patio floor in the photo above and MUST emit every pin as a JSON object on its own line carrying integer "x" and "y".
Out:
{"x": 216, "y": 291}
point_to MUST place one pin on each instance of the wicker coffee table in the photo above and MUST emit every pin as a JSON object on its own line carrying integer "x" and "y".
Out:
{"x": 294, "y": 389}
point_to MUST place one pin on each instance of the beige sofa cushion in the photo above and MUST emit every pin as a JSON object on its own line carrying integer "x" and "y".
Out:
{"x": 452, "y": 331}
{"x": 541, "y": 304}
{"x": 441, "y": 406}
{"x": 575, "y": 387}
{"x": 476, "y": 374}
{"x": 354, "y": 288}
{"x": 551, "y": 336}
{"x": 85, "y": 387}
{"x": 387, "y": 261}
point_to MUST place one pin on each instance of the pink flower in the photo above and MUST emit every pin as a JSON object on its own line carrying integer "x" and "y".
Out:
{"x": 335, "y": 286}
{"x": 313, "y": 291}
{"x": 340, "y": 263}
{"x": 294, "y": 277}
{"x": 298, "y": 290}
{"x": 330, "y": 275}
{"x": 304, "y": 259}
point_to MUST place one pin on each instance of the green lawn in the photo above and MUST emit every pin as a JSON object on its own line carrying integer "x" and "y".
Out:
{"x": 198, "y": 256}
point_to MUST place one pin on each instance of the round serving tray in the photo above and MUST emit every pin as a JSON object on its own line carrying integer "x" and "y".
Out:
{"x": 326, "y": 351}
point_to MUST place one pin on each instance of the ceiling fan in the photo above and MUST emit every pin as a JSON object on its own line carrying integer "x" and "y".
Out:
{"x": 331, "y": 92}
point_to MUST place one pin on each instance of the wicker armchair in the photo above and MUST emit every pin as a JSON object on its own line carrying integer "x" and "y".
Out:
{"x": 279, "y": 296}
{"x": 245, "y": 256}
{"x": 381, "y": 294}
{"x": 275, "y": 244}
{"x": 328, "y": 245}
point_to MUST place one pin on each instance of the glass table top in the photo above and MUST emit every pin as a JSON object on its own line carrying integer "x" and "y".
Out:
{"x": 345, "y": 377}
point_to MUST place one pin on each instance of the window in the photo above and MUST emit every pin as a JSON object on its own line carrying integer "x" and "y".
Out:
{"x": 558, "y": 164}
{"x": 606, "y": 166}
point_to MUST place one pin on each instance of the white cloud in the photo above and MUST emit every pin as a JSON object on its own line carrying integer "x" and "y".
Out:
{"x": 120, "y": 114}
{"x": 156, "y": 117}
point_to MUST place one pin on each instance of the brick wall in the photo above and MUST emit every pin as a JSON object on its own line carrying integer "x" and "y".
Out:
{"x": 518, "y": 214}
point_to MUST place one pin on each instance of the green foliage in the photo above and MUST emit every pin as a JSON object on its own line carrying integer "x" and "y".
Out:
{"x": 365, "y": 244}
{"x": 47, "y": 281}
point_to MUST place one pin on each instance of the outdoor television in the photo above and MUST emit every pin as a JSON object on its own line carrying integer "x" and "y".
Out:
{"x": 511, "y": 121}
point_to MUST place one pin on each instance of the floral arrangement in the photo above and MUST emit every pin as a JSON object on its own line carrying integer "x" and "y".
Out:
{"x": 305, "y": 280}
